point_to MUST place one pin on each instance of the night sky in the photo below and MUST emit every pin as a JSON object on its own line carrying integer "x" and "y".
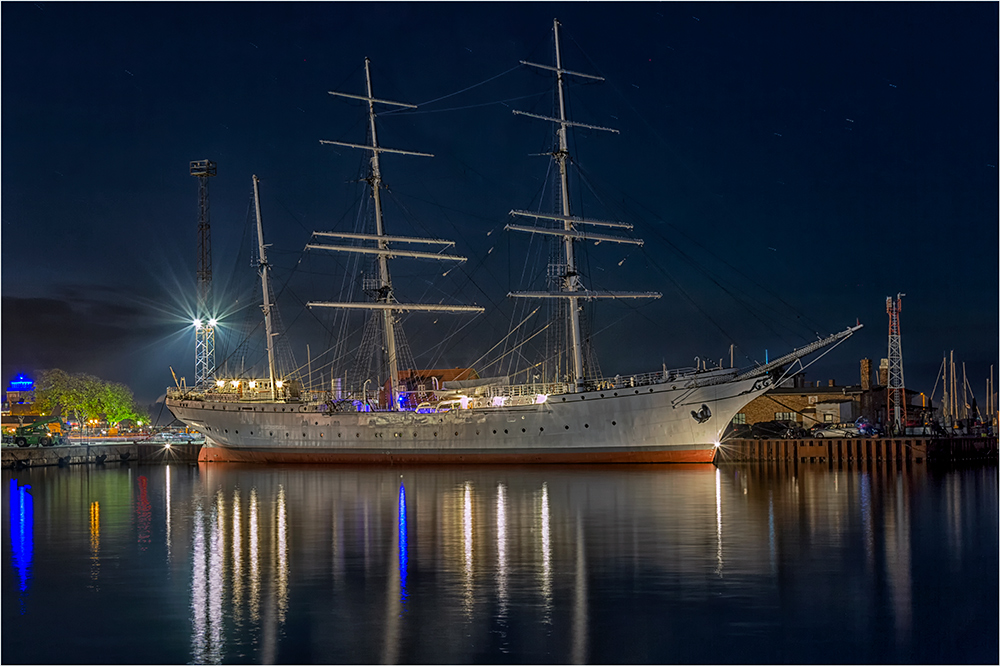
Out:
{"x": 788, "y": 165}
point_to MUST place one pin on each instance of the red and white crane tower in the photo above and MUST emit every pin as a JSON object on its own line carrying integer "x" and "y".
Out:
{"x": 896, "y": 391}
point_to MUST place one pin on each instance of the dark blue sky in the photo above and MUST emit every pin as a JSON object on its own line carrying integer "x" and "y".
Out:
{"x": 788, "y": 165}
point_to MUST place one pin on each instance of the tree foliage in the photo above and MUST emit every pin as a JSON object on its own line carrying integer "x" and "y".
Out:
{"x": 86, "y": 397}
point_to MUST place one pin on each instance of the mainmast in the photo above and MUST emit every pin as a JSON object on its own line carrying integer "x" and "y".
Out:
{"x": 385, "y": 299}
{"x": 571, "y": 286}
{"x": 265, "y": 270}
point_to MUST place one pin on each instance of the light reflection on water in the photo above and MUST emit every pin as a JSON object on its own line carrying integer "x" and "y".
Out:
{"x": 227, "y": 563}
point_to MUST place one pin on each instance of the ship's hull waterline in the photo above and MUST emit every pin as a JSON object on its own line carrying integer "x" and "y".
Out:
{"x": 645, "y": 424}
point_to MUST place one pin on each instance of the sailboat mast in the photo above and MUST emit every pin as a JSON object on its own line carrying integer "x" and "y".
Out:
{"x": 385, "y": 286}
{"x": 571, "y": 279}
{"x": 264, "y": 279}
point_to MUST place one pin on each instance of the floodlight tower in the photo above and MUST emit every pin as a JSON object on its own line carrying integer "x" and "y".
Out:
{"x": 204, "y": 322}
{"x": 896, "y": 392}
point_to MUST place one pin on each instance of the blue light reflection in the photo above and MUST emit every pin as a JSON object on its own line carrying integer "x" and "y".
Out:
{"x": 22, "y": 534}
{"x": 403, "y": 555}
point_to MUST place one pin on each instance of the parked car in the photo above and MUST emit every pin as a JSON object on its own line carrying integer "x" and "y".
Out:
{"x": 866, "y": 429}
{"x": 774, "y": 430}
{"x": 737, "y": 431}
{"x": 834, "y": 430}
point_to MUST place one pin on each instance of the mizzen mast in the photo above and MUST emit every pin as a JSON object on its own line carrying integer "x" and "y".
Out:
{"x": 571, "y": 285}
{"x": 385, "y": 299}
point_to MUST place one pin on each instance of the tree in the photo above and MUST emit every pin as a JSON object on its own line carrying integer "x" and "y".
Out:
{"x": 86, "y": 397}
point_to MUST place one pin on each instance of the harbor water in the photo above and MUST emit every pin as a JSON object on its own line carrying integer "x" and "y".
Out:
{"x": 227, "y": 563}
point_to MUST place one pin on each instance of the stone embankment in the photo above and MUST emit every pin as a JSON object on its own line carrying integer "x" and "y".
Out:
{"x": 104, "y": 453}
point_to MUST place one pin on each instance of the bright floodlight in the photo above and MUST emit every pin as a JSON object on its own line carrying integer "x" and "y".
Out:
{"x": 279, "y": 383}
{"x": 212, "y": 322}
{"x": 235, "y": 383}
{"x": 220, "y": 382}
{"x": 197, "y": 323}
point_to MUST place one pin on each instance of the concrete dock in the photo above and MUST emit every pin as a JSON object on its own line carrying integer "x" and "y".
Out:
{"x": 100, "y": 454}
{"x": 859, "y": 450}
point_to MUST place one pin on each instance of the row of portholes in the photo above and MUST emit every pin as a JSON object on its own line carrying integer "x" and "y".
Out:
{"x": 583, "y": 397}
{"x": 399, "y": 434}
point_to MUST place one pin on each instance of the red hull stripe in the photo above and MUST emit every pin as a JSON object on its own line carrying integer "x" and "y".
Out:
{"x": 219, "y": 454}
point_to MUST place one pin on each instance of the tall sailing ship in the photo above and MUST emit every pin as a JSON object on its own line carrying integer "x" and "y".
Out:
{"x": 576, "y": 416}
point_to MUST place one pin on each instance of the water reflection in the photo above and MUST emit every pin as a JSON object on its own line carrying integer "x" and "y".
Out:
{"x": 628, "y": 563}
{"x": 95, "y": 543}
{"x": 22, "y": 536}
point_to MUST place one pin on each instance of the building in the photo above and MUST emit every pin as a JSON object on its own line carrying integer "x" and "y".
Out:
{"x": 808, "y": 403}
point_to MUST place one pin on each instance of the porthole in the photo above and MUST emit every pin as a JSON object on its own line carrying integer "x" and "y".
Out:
{"x": 338, "y": 434}
{"x": 237, "y": 432}
{"x": 564, "y": 399}
{"x": 650, "y": 390}
{"x": 251, "y": 432}
{"x": 616, "y": 394}
{"x": 567, "y": 427}
{"x": 505, "y": 431}
{"x": 637, "y": 391}
{"x": 602, "y": 395}
{"x": 286, "y": 434}
{"x": 586, "y": 425}
{"x": 321, "y": 434}
{"x": 614, "y": 423}
{"x": 227, "y": 429}
{"x": 271, "y": 434}
{"x": 583, "y": 397}
{"x": 303, "y": 435}
{"x": 414, "y": 434}
{"x": 494, "y": 432}
{"x": 477, "y": 432}
{"x": 317, "y": 423}
{"x": 541, "y": 430}
{"x": 358, "y": 435}
{"x": 456, "y": 433}
{"x": 435, "y": 434}
{"x": 523, "y": 430}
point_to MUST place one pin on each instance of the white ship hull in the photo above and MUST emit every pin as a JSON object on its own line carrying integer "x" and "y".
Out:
{"x": 654, "y": 423}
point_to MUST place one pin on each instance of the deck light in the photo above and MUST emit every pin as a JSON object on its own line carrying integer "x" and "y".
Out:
{"x": 253, "y": 384}
{"x": 197, "y": 323}
{"x": 220, "y": 382}
{"x": 235, "y": 383}
{"x": 279, "y": 383}
{"x": 212, "y": 322}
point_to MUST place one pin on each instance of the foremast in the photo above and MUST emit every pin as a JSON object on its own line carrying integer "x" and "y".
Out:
{"x": 385, "y": 299}
{"x": 572, "y": 287}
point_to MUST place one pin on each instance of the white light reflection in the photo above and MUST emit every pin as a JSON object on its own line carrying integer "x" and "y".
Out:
{"x": 546, "y": 556}
{"x": 167, "y": 475}
{"x": 718, "y": 521}
{"x": 467, "y": 542}
{"x": 199, "y": 596}
{"x": 254, "y": 558}
{"x": 579, "y": 642}
{"x": 237, "y": 577}
{"x": 216, "y": 573}
{"x": 502, "y": 595}
{"x": 282, "y": 563}
{"x": 897, "y": 562}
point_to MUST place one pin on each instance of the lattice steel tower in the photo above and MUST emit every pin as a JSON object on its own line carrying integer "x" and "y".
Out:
{"x": 204, "y": 322}
{"x": 895, "y": 391}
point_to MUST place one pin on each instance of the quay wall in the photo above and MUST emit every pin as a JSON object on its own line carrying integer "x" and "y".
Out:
{"x": 859, "y": 450}
{"x": 99, "y": 454}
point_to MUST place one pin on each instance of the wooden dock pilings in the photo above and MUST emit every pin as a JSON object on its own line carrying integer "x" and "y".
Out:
{"x": 859, "y": 450}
